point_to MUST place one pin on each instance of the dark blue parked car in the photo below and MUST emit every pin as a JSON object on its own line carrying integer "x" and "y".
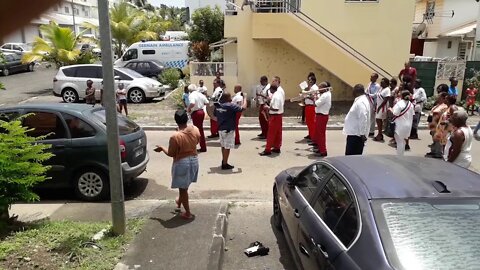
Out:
{"x": 380, "y": 212}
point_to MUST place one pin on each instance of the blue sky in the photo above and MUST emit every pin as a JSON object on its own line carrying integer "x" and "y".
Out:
{"x": 176, "y": 3}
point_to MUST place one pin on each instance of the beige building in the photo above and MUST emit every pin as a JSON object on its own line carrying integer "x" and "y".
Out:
{"x": 342, "y": 42}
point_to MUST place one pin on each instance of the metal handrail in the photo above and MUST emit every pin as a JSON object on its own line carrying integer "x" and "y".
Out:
{"x": 336, "y": 40}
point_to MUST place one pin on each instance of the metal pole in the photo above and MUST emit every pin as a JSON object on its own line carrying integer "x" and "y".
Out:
{"x": 73, "y": 14}
{"x": 116, "y": 181}
{"x": 476, "y": 43}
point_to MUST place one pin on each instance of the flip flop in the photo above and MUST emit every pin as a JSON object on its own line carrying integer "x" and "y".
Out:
{"x": 186, "y": 217}
{"x": 178, "y": 206}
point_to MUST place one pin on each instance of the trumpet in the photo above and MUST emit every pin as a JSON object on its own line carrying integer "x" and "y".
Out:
{"x": 303, "y": 95}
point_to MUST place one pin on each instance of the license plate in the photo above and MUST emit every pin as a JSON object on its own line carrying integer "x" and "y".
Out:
{"x": 139, "y": 152}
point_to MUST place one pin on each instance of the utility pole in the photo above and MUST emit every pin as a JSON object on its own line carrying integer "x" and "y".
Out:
{"x": 116, "y": 181}
{"x": 476, "y": 43}
{"x": 73, "y": 15}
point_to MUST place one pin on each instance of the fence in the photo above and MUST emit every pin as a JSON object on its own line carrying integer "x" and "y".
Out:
{"x": 446, "y": 70}
{"x": 211, "y": 68}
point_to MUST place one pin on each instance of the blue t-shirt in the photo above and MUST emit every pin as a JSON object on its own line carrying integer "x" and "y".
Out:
{"x": 185, "y": 99}
{"x": 225, "y": 113}
{"x": 452, "y": 91}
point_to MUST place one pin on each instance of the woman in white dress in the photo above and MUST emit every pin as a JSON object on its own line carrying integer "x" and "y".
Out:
{"x": 459, "y": 144}
{"x": 403, "y": 112}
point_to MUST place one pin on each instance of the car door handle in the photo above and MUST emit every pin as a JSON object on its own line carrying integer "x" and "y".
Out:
{"x": 303, "y": 250}
{"x": 296, "y": 213}
{"x": 319, "y": 247}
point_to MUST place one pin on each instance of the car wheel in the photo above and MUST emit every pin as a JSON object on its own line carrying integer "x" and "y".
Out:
{"x": 91, "y": 185}
{"x": 5, "y": 72}
{"x": 136, "y": 95}
{"x": 69, "y": 95}
{"x": 277, "y": 213}
{"x": 31, "y": 67}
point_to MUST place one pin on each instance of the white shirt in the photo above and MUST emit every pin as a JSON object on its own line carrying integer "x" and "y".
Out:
{"x": 420, "y": 97}
{"x": 238, "y": 99}
{"x": 198, "y": 99}
{"x": 280, "y": 89}
{"x": 309, "y": 100}
{"x": 261, "y": 90}
{"x": 324, "y": 103}
{"x": 357, "y": 121}
{"x": 202, "y": 89}
{"x": 403, "y": 124}
{"x": 277, "y": 102}
{"x": 464, "y": 159}
{"x": 217, "y": 94}
{"x": 381, "y": 96}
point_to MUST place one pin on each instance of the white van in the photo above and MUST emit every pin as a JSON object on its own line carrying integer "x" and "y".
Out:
{"x": 173, "y": 54}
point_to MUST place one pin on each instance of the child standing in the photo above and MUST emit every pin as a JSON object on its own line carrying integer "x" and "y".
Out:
{"x": 471, "y": 97}
{"x": 90, "y": 93}
{"x": 121, "y": 94}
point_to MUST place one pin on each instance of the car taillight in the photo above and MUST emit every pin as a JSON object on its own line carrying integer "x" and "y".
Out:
{"x": 123, "y": 150}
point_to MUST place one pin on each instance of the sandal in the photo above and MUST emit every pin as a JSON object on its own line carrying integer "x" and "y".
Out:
{"x": 186, "y": 216}
{"x": 178, "y": 209}
{"x": 378, "y": 139}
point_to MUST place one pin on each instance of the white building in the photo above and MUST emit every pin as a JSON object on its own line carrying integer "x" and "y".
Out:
{"x": 71, "y": 13}
{"x": 446, "y": 28}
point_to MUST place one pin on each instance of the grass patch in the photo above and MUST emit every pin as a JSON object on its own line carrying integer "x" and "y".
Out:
{"x": 65, "y": 245}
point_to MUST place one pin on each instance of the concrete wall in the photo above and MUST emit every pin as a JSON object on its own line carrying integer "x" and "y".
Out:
{"x": 444, "y": 51}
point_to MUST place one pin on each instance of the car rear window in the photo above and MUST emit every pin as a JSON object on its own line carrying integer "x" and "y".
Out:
{"x": 125, "y": 125}
{"x": 69, "y": 72}
{"x": 431, "y": 234}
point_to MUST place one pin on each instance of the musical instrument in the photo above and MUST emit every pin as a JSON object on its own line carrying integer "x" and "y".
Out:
{"x": 304, "y": 94}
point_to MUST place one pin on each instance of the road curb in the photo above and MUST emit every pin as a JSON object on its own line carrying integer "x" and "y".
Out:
{"x": 217, "y": 249}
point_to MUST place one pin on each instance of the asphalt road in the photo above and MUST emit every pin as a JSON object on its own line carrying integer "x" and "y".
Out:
{"x": 25, "y": 86}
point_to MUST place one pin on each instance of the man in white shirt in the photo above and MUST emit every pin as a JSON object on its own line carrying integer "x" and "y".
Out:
{"x": 323, "y": 103}
{"x": 383, "y": 96}
{"x": 238, "y": 99}
{"x": 262, "y": 97}
{"x": 372, "y": 88}
{"x": 309, "y": 102}
{"x": 218, "y": 86}
{"x": 275, "y": 110}
{"x": 197, "y": 104}
{"x": 419, "y": 97}
{"x": 202, "y": 88}
{"x": 357, "y": 122}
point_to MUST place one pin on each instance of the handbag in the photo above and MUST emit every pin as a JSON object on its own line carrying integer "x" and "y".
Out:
{"x": 390, "y": 126}
{"x": 430, "y": 118}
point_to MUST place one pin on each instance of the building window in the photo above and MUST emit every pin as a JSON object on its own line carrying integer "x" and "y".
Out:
{"x": 77, "y": 12}
{"x": 67, "y": 10}
{"x": 462, "y": 50}
{"x": 449, "y": 44}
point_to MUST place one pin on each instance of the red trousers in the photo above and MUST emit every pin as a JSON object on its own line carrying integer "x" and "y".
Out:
{"x": 310, "y": 120}
{"x": 237, "y": 132}
{"x": 213, "y": 127}
{"x": 321, "y": 129}
{"x": 274, "y": 136}
{"x": 197, "y": 119}
{"x": 262, "y": 118}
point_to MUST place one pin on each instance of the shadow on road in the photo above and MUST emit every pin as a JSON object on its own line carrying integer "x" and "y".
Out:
{"x": 286, "y": 258}
{"x": 174, "y": 222}
{"x": 218, "y": 170}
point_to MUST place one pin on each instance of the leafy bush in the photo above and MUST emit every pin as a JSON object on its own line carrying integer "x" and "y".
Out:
{"x": 88, "y": 57}
{"x": 21, "y": 165}
{"x": 170, "y": 77}
{"x": 201, "y": 50}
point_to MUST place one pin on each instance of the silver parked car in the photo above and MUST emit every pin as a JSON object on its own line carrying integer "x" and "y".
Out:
{"x": 70, "y": 83}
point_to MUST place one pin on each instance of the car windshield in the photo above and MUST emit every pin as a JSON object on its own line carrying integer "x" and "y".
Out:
{"x": 125, "y": 125}
{"x": 436, "y": 234}
{"x": 130, "y": 72}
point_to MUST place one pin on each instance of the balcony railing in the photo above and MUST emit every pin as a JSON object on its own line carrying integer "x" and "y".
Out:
{"x": 211, "y": 68}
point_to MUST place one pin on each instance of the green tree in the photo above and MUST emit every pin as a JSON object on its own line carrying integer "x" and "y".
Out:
{"x": 59, "y": 46}
{"x": 21, "y": 165}
{"x": 207, "y": 25}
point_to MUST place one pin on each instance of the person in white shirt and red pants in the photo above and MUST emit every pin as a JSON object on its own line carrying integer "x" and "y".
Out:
{"x": 357, "y": 122}
{"x": 195, "y": 109}
{"x": 323, "y": 103}
{"x": 238, "y": 99}
{"x": 274, "y": 136}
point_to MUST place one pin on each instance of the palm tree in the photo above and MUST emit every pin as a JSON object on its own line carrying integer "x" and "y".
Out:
{"x": 59, "y": 46}
{"x": 130, "y": 25}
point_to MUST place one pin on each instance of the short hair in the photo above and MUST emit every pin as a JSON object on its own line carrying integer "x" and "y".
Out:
{"x": 453, "y": 79}
{"x": 359, "y": 88}
{"x": 443, "y": 94}
{"x": 90, "y": 81}
{"x": 264, "y": 78}
{"x": 181, "y": 117}
{"x": 451, "y": 100}
{"x": 393, "y": 81}
{"x": 328, "y": 84}
{"x": 375, "y": 75}
{"x": 385, "y": 80}
{"x": 221, "y": 83}
{"x": 419, "y": 82}
{"x": 462, "y": 116}
{"x": 276, "y": 78}
{"x": 226, "y": 97}
{"x": 406, "y": 95}
{"x": 442, "y": 88}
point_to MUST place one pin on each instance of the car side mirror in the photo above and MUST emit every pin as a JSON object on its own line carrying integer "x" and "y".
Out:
{"x": 116, "y": 77}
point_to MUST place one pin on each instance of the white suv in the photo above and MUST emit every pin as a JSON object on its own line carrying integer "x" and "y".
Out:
{"x": 71, "y": 81}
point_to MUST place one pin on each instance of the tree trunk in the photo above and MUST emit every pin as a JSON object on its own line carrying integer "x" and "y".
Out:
{"x": 4, "y": 214}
